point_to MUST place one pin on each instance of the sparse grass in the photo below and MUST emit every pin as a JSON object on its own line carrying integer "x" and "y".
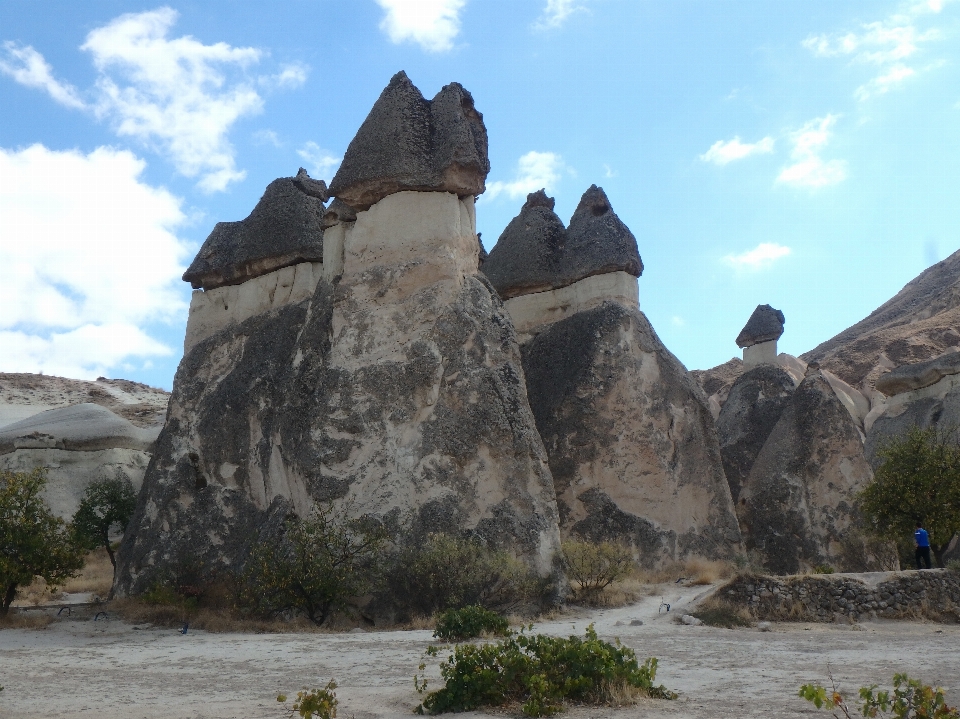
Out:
{"x": 719, "y": 613}
{"x": 96, "y": 577}
{"x": 694, "y": 570}
{"x": 25, "y": 620}
{"x": 219, "y": 621}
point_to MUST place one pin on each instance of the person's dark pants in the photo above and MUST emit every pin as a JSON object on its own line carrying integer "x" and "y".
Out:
{"x": 924, "y": 554}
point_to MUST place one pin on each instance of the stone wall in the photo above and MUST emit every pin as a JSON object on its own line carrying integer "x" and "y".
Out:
{"x": 931, "y": 594}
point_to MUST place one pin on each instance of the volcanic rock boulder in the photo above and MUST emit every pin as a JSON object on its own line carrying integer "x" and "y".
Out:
{"x": 284, "y": 229}
{"x": 764, "y": 325}
{"x": 631, "y": 441}
{"x": 799, "y": 498}
{"x": 752, "y": 409}
{"x": 410, "y": 143}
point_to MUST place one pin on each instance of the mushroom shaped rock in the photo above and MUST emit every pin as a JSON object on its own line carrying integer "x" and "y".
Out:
{"x": 597, "y": 240}
{"x": 410, "y": 143}
{"x": 284, "y": 229}
{"x": 528, "y": 257}
{"x": 764, "y": 325}
{"x": 919, "y": 375}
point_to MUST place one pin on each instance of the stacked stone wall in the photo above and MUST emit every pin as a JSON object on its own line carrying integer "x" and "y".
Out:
{"x": 930, "y": 594}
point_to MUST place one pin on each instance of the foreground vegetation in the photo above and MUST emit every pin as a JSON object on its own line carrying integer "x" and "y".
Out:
{"x": 910, "y": 699}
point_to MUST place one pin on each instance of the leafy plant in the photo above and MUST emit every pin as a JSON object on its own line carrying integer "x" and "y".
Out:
{"x": 539, "y": 671}
{"x": 918, "y": 478}
{"x": 426, "y": 575}
{"x": 910, "y": 699}
{"x": 33, "y": 542}
{"x": 314, "y": 567}
{"x": 321, "y": 703}
{"x": 106, "y": 503}
{"x": 823, "y": 569}
{"x": 595, "y": 566}
{"x": 457, "y": 625}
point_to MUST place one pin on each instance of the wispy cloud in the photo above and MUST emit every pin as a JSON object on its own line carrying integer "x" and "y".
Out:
{"x": 27, "y": 66}
{"x": 556, "y": 12}
{"x": 176, "y": 96}
{"x": 608, "y": 171}
{"x": 760, "y": 257}
{"x": 432, "y": 24}
{"x": 535, "y": 170}
{"x": 322, "y": 162}
{"x": 71, "y": 304}
{"x": 726, "y": 151}
{"x": 889, "y": 45}
{"x": 808, "y": 168}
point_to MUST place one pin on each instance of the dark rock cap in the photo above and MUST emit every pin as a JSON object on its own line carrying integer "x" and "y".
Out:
{"x": 916, "y": 376}
{"x": 409, "y": 143}
{"x": 537, "y": 253}
{"x": 765, "y": 324}
{"x": 338, "y": 211}
{"x": 283, "y": 229}
{"x": 528, "y": 257}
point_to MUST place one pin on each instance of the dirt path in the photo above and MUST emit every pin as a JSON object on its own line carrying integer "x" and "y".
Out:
{"x": 81, "y": 668}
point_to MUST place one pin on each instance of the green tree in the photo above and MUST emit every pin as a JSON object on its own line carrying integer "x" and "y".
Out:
{"x": 918, "y": 480}
{"x": 315, "y": 566}
{"x": 33, "y": 542}
{"x": 106, "y": 503}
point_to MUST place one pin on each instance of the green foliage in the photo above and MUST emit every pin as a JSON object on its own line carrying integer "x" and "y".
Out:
{"x": 426, "y": 575}
{"x": 321, "y": 703}
{"x": 33, "y": 542}
{"x": 105, "y": 504}
{"x": 457, "y": 625}
{"x": 541, "y": 672}
{"x": 595, "y": 566}
{"x": 313, "y": 567}
{"x": 823, "y": 569}
{"x": 910, "y": 699}
{"x": 918, "y": 478}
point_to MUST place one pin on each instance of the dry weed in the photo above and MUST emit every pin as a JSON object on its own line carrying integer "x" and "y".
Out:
{"x": 25, "y": 620}
{"x": 96, "y": 577}
{"x": 716, "y": 612}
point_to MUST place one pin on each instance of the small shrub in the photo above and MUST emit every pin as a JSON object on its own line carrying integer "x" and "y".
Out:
{"x": 954, "y": 566}
{"x": 823, "y": 569}
{"x": 593, "y": 567}
{"x": 457, "y": 625}
{"x": 321, "y": 703}
{"x": 910, "y": 699}
{"x": 718, "y": 613}
{"x": 541, "y": 672}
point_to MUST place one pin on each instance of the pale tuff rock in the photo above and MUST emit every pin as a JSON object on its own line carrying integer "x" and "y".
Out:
{"x": 536, "y": 253}
{"x": 631, "y": 442}
{"x": 409, "y": 143}
{"x": 220, "y": 308}
{"x": 284, "y": 229}
{"x": 764, "y": 325}
{"x": 917, "y": 376}
{"x": 799, "y": 497}
{"x": 396, "y": 392}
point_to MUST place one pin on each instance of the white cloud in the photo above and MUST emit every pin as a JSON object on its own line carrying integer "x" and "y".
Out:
{"x": 556, "y": 12}
{"x": 759, "y": 258}
{"x": 535, "y": 170}
{"x": 174, "y": 95}
{"x": 808, "y": 168}
{"x": 678, "y": 321}
{"x": 322, "y": 162}
{"x": 27, "y": 66}
{"x": 609, "y": 171}
{"x": 432, "y": 24}
{"x": 90, "y": 258}
{"x": 886, "y": 44}
{"x": 722, "y": 152}
{"x": 267, "y": 137}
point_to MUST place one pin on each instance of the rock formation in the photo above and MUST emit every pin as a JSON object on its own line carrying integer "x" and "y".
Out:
{"x": 631, "y": 442}
{"x": 759, "y": 336}
{"x": 409, "y": 143}
{"x": 798, "y": 500}
{"x": 79, "y": 431}
{"x": 392, "y": 388}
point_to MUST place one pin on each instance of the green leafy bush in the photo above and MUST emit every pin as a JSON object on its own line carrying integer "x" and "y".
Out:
{"x": 314, "y": 567}
{"x": 910, "y": 699}
{"x": 457, "y": 625}
{"x": 321, "y": 703}
{"x": 33, "y": 542}
{"x": 592, "y": 567}
{"x": 541, "y": 672}
{"x": 823, "y": 569}
{"x": 106, "y": 503}
{"x": 426, "y": 575}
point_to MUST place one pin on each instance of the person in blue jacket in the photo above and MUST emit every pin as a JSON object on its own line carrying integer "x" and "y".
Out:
{"x": 922, "y": 540}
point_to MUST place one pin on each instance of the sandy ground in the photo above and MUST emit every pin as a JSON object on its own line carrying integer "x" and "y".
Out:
{"x": 110, "y": 669}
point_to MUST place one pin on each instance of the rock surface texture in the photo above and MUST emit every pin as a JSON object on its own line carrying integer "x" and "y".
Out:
{"x": 410, "y": 143}
{"x": 284, "y": 229}
{"x": 798, "y": 499}
{"x": 764, "y": 325}
{"x": 395, "y": 390}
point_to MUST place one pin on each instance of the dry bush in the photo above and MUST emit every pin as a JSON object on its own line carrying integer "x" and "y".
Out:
{"x": 96, "y": 577}
{"x": 716, "y": 612}
{"x": 136, "y": 611}
{"x": 25, "y": 620}
{"x": 693, "y": 570}
{"x": 593, "y": 567}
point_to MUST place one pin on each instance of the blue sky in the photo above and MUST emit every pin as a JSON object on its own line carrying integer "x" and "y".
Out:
{"x": 803, "y": 154}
